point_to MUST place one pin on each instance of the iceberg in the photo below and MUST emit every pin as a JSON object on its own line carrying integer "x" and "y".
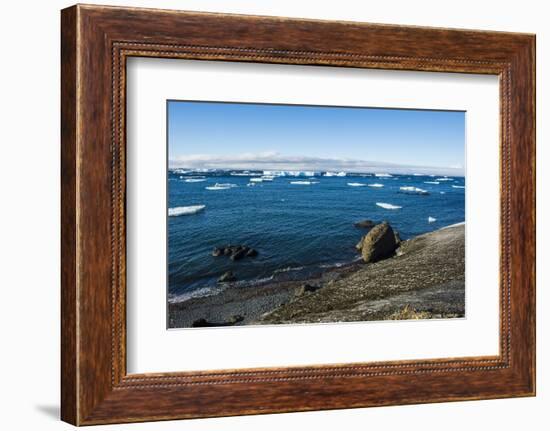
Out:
{"x": 388, "y": 206}
{"x": 458, "y": 187}
{"x": 431, "y": 182}
{"x": 376, "y": 185}
{"x": 356, "y": 184}
{"x": 221, "y": 186}
{"x": 413, "y": 190}
{"x": 383, "y": 175}
{"x": 431, "y": 219}
{"x": 178, "y": 211}
{"x": 289, "y": 173}
{"x": 304, "y": 183}
{"x": 244, "y": 174}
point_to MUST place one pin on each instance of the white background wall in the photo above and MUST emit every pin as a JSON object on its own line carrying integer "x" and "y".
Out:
{"x": 29, "y": 214}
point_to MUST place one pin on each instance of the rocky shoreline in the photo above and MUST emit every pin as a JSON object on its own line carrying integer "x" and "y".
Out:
{"x": 419, "y": 278}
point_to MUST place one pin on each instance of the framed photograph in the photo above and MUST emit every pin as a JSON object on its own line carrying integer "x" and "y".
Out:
{"x": 266, "y": 215}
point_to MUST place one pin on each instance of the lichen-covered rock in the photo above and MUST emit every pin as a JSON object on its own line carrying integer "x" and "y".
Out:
{"x": 379, "y": 243}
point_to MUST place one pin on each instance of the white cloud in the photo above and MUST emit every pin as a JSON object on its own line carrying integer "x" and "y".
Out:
{"x": 271, "y": 160}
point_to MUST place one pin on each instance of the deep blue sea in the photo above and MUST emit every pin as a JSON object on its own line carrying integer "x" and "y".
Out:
{"x": 297, "y": 228}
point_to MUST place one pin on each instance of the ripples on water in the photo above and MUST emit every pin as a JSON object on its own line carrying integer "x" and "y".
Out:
{"x": 298, "y": 225}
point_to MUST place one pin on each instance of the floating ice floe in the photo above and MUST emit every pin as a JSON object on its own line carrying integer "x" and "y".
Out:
{"x": 444, "y": 179}
{"x": 431, "y": 182}
{"x": 458, "y": 187}
{"x": 267, "y": 177}
{"x": 413, "y": 190}
{"x": 195, "y": 180}
{"x": 376, "y": 185}
{"x": 388, "y": 206}
{"x": 431, "y": 219}
{"x": 244, "y": 174}
{"x": 356, "y": 184}
{"x": 178, "y": 211}
{"x": 221, "y": 186}
{"x": 256, "y": 180}
{"x": 335, "y": 174}
{"x": 383, "y": 175}
{"x": 304, "y": 183}
{"x": 289, "y": 173}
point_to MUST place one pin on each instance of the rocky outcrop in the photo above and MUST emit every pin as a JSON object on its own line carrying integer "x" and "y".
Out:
{"x": 227, "y": 277}
{"x": 365, "y": 224}
{"x": 235, "y": 252}
{"x": 427, "y": 279}
{"x": 378, "y": 244}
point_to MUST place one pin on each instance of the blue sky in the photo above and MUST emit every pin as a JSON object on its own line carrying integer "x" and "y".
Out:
{"x": 263, "y": 136}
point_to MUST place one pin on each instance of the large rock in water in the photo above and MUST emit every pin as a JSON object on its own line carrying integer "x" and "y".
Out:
{"x": 227, "y": 277}
{"x": 379, "y": 243}
{"x": 234, "y": 252}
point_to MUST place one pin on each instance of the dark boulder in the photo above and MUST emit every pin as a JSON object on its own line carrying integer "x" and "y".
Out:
{"x": 235, "y": 319}
{"x": 251, "y": 252}
{"x": 365, "y": 224}
{"x": 306, "y": 288}
{"x": 203, "y": 323}
{"x": 234, "y": 252}
{"x": 379, "y": 243}
{"x": 238, "y": 254}
{"x": 227, "y": 277}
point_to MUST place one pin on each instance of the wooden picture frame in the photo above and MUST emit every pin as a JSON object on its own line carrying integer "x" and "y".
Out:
{"x": 95, "y": 43}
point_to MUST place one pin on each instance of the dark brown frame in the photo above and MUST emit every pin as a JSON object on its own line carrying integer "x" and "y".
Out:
{"x": 96, "y": 41}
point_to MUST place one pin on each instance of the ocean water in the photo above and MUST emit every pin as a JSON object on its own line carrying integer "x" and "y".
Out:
{"x": 298, "y": 225}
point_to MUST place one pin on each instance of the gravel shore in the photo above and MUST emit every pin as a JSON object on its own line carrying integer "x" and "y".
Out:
{"x": 425, "y": 279}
